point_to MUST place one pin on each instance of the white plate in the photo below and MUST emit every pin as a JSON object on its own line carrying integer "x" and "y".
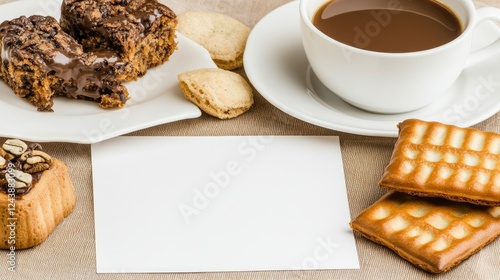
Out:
{"x": 155, "y": 98}
{"x": 278, "y": 68}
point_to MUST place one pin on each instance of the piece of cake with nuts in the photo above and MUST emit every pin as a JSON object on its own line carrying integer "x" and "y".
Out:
{"x": 40, "y": 62}
{"x": 36, "y": 194}
{"x": 141, "y": 32}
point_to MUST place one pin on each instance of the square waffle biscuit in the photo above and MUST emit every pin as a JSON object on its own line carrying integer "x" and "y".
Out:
{"x": 434, "y": 234}
{"x": 434, "y": 159}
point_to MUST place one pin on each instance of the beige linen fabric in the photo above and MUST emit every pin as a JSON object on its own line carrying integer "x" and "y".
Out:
{"x": 69, "y": 253}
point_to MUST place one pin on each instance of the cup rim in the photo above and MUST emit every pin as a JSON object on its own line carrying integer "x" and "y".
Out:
{"x": 470, "y": 8}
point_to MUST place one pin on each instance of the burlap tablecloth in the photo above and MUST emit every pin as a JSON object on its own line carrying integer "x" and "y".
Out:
{"x": 69, "y": 253}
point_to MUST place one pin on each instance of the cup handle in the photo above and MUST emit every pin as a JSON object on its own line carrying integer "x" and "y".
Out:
{"x": 484, "y": 14}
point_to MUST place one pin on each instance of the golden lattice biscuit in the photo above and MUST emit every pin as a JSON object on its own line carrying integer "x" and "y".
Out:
{"x": 434, "y": 159}
{"x": 224, "y": 37}
{"x": 434, "y": 234}
{"x": 220, "y": 93}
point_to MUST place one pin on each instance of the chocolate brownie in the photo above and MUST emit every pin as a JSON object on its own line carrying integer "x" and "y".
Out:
{"x": 142, "y": 32}
{"x": 40, "y": 61}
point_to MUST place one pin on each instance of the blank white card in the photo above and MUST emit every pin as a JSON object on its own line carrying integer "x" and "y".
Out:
{"x": 237, "y": 203}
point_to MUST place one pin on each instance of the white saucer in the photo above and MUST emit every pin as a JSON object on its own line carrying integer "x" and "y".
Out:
{"x": 278, "y": 68}
{"x": 155, "y": 98}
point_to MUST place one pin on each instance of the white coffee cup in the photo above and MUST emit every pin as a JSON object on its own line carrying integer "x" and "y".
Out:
{"x": 393, "y": 82}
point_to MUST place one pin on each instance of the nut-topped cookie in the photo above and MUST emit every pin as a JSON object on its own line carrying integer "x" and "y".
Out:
{"x": 36, "y": 194}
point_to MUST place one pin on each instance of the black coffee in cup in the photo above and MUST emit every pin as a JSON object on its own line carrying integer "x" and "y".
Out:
{"x": 392, "y": 26}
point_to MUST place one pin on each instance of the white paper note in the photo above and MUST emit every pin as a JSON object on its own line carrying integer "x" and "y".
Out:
{"x": 237, "y": 203}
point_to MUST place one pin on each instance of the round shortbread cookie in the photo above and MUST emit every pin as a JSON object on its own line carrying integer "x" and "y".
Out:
{"x": 218, "y": 92}
{"x": 223, "y": 36}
